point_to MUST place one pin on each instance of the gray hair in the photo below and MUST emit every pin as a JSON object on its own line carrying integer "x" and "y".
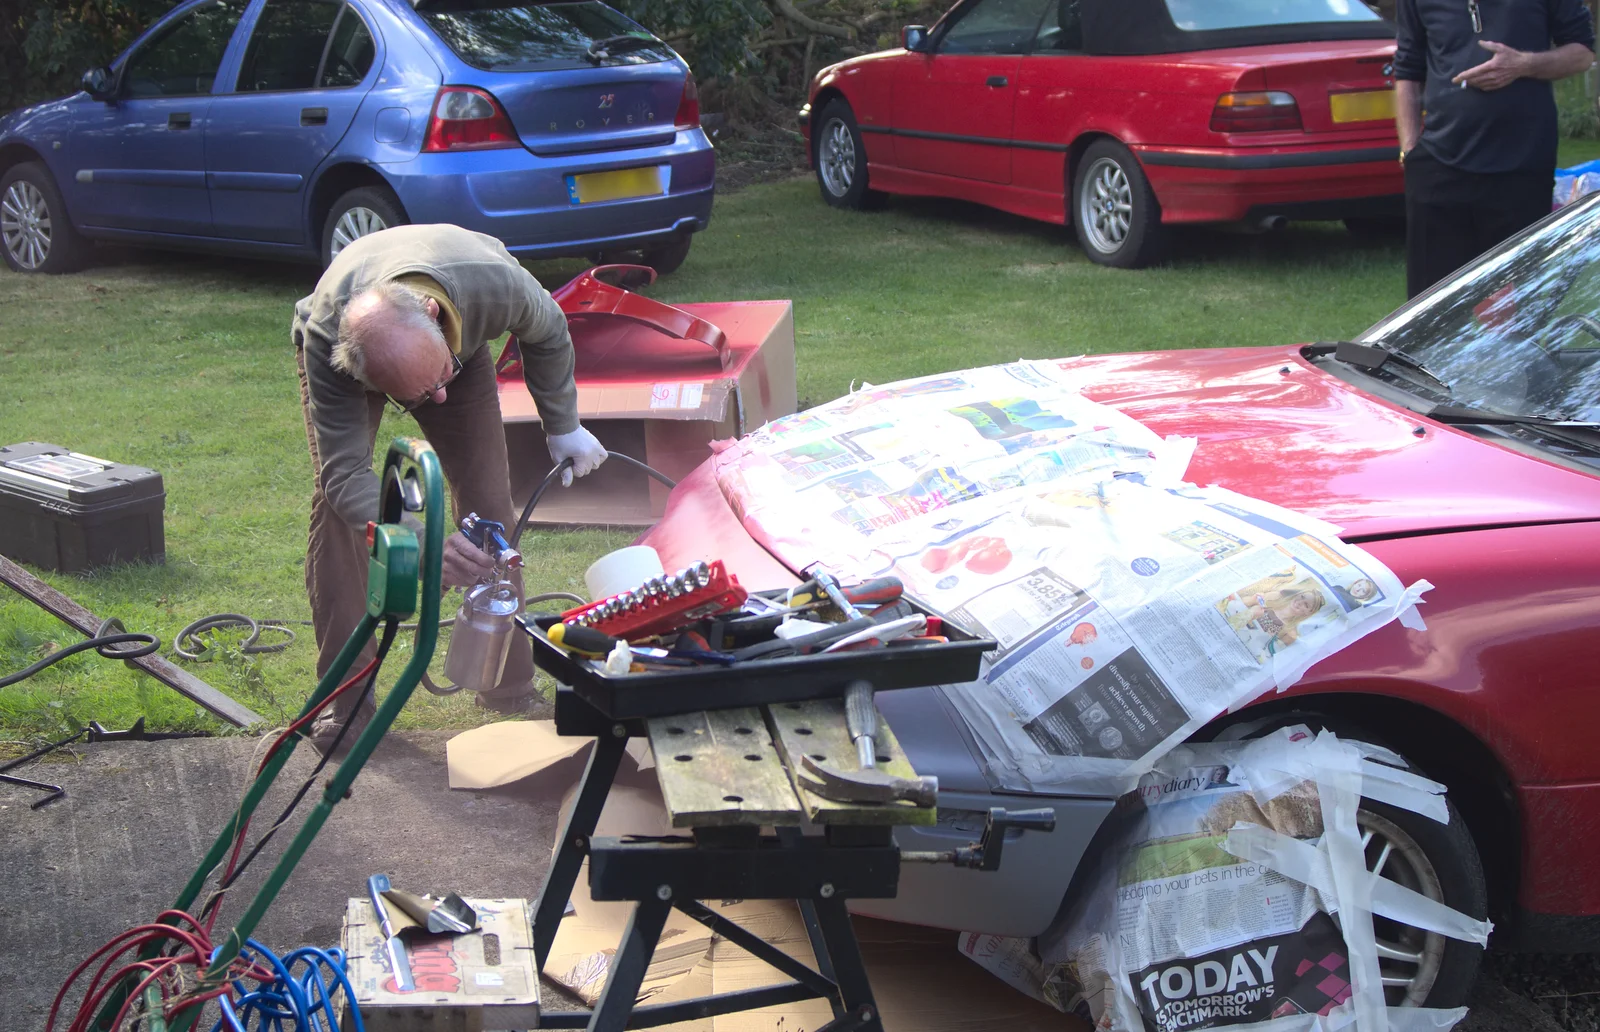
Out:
{"x": 402, "y": 308}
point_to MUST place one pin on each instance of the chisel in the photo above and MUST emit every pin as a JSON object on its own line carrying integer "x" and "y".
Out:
{"x": 399, "y": 963}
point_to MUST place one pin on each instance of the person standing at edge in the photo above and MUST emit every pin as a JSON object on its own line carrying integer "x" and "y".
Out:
{"x": 1476, "y": 116}
{"x": 404, "y": 316}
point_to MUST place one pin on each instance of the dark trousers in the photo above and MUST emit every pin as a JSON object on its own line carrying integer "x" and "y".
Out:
{"x": 469, "y": 439}
{"x": 1453, "y": 216}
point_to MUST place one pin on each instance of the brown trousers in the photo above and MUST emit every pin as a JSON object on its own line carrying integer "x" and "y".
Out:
{"x": 469, "y": 439}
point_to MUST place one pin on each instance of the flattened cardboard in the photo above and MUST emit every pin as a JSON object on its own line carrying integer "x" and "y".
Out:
{"x": 506, "y": 751}
{"x": 658, "y": 399}
{"x": 510, "y": 750}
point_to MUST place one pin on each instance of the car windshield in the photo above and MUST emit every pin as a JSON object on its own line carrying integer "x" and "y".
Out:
{"x": 1209, "y": 15}
{"x": 508, "y": 36}
{"x": 1517, "y": 332}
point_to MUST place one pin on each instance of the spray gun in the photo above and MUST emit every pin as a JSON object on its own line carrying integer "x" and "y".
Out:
{"x": 484, "y": 623}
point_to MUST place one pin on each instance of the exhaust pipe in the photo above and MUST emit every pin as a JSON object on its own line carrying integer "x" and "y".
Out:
{"x": 1272, "y": 223}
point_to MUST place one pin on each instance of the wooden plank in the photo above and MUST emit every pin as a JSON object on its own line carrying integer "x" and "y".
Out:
{"x": 720, "y": 768}
{"x": 817, "y": 729}
{"x": 87, "y": 624}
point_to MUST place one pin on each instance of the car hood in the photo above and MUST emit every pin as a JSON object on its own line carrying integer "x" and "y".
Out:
{"x": 1270, "y": 425}
{"x": 1267, "y": 424}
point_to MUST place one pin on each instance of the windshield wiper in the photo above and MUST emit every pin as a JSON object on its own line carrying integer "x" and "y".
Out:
{"x": 1374, "y": 357}
{"x": 1462, "y": 415}
{"x": 1577, "y": 433}
{"x": 601, "y": 49}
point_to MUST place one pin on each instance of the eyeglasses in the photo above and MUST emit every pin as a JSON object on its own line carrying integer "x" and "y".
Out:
{"x": 411, "y": 406}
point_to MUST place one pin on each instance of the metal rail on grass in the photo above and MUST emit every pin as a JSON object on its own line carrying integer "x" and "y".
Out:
{"x": 80, "y": 619}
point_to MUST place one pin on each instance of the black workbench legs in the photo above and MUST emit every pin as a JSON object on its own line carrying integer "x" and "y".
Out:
{"x": 576, "y": 830}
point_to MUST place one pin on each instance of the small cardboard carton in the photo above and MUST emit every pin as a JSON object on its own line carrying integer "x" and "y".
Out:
{"x": 465, "y": 983}
{"x": 659, "y": 399}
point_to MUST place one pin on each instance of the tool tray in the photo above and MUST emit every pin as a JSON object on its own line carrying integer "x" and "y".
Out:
{"x": 761, "y": 682}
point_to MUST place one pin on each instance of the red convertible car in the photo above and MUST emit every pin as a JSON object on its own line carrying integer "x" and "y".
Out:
{"x": 1121, "y": 117}
{"x": 1459, "y": 441}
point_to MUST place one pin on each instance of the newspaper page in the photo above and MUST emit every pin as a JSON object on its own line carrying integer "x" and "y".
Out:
{"x": 1129, "y": 607}
{"x": 1171, "y": 932}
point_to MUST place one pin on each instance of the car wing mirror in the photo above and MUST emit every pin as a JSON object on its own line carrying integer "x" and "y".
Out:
{"x": 914, "y": 38}
{"x": 99, "y": 82}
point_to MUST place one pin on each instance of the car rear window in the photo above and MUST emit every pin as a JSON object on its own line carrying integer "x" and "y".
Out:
{"x": 1208, "y": 15}
{"x": 502, "y": 36}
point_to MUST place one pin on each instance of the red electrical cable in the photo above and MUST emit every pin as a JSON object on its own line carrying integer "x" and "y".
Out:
{"x": 158, "y": 970}
{"x": 306, "y": 718}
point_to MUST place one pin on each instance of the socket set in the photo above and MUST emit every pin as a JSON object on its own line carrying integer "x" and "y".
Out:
{"x": 663, "y": 604}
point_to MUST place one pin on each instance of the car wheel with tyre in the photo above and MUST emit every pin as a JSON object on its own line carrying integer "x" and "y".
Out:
{"x": 358, "y": 213}
{"x": 1440, "y": 861}
{"x": 841, "y": 159}
{"x": 35, "y": 233}
{"x": 665, "y": 258}
{"x": 1114, "y": 210}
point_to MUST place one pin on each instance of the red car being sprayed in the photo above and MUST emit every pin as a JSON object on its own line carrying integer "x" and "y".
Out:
{"x": 1122, "y": 117}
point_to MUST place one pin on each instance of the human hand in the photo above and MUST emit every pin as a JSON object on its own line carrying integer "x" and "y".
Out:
{"x": 463, "y": 562}
{"x": 581, "y": 447}
{"x": 1504, "y": 68}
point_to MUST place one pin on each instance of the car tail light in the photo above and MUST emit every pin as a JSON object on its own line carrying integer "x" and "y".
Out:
{"x": 1254, "y": 112}
{"x": 466, "y": 118}
{"x": 689, "y": 105}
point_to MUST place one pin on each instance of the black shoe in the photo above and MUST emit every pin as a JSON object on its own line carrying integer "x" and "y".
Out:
{"x": 510, "y": 703}
{"x": 325, "y": 729}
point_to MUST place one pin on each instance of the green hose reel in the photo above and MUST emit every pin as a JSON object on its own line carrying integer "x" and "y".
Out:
{"x": 412, "y": 481}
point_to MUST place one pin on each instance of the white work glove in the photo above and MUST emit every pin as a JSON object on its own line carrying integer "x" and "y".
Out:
{"x": 581, "y": 447}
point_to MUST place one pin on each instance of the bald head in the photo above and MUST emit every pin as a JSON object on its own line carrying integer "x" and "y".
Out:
{"x": 390, "y": 340}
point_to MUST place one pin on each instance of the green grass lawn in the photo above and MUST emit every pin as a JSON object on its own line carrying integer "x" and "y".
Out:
{"x": 182, "y": 363}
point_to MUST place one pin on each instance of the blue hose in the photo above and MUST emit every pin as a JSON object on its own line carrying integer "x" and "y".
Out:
{"x": 290, "y": 1002}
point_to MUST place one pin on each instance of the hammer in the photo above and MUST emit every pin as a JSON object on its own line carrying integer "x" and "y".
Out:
{"x": 860, "y": 712}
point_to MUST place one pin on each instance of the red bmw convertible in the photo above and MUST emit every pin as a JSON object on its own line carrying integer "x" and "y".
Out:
{"x": 1123, "y": 117}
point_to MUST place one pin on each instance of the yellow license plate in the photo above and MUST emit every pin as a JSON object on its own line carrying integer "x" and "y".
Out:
{"x": 1366, "y": 106}
{"x": 590, "y": 187}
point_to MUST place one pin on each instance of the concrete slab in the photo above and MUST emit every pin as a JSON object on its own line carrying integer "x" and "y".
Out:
{"x": 138, "y": 817}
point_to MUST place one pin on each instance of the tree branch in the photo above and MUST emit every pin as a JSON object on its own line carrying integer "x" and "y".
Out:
{"x": 793, "y": 14}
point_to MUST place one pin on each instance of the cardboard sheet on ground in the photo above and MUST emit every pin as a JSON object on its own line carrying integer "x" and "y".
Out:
{"x": 510, "y": 750}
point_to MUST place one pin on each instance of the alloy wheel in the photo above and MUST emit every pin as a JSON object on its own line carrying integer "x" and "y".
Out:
{"x": 1105, "y": 205}
{"x": 353, "y": 225}
{"x": 836, "y": 159}
{"x": 25, "y": 224}
{"x": 1409, "y": 959}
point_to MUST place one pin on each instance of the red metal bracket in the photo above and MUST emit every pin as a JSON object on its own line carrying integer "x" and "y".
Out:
{"x": 587, "y": 296}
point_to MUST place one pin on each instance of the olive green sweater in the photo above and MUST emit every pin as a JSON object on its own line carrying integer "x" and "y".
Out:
{"x": 493, "y": 295}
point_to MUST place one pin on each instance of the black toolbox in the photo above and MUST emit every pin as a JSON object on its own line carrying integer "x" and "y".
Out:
{"x": 67, "y": 512}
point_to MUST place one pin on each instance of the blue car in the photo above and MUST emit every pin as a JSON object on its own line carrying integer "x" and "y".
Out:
{"x": 288, "y": 128}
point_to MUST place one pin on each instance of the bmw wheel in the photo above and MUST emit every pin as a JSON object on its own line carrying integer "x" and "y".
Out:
{"x": 35, "y": 233}
{"x": 841, "y": 158}
{"x": 358, "y": 213}
{"x": 1114, "y": 210}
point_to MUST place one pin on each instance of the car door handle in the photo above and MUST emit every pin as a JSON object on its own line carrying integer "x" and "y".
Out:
{"x": 178, "y": 120}
{"x": 314, "y": 116}
{"x": 996, "y": 81}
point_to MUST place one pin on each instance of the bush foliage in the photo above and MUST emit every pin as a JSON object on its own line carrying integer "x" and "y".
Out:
{"x": 754, "y": 56}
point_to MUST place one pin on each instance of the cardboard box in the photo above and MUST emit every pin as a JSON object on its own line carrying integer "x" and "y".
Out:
{"x": 465, "y": 983}
{"x": 659, "y": 399}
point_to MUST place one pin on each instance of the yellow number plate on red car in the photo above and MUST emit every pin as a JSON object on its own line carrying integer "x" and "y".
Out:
{"x": 621, "y": 184}
{"x": 1365, "y": 106}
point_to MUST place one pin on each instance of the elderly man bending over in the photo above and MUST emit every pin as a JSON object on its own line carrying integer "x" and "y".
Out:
{"x": 404, "y": 316}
